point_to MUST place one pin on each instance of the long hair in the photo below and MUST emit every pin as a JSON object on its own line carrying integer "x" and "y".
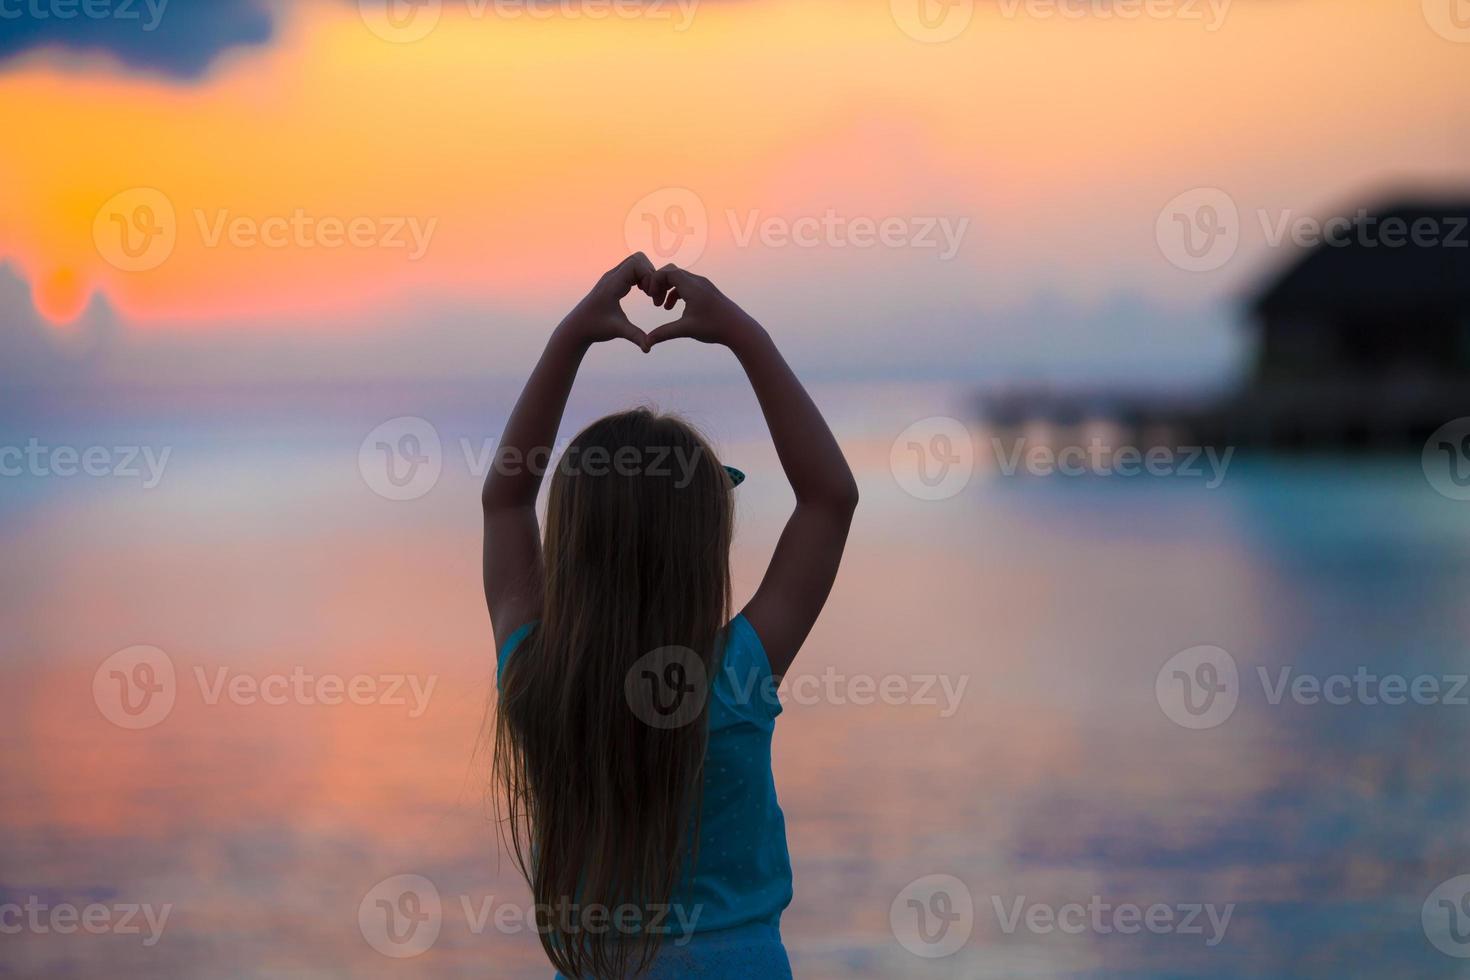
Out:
{"x": 602, "y": 806}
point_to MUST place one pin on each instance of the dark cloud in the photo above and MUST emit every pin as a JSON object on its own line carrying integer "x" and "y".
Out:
{"x": 179, "y": 38}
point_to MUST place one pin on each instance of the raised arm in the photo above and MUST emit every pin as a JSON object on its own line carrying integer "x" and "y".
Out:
{"x": 799, "y": 579}
{"x": 512, "y": 552}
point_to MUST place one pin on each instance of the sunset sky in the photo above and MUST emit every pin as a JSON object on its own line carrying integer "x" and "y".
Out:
{"x": 256, "y": 254}
{"x": 309, "y": 173}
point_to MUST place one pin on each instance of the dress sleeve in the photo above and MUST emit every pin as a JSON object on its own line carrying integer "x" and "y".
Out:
{"x": 509, "y": 648}
{"x": 748, "y": 670}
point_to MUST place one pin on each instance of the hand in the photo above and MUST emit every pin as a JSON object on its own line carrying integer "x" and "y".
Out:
{"x": 600, "y": 317}
{"x": 710, "y": 317}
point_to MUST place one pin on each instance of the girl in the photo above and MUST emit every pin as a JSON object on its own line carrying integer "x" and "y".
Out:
{"x": 633, "y": 735}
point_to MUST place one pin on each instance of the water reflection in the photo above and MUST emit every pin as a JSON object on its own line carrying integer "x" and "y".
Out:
{"x": 1057, "y": 780}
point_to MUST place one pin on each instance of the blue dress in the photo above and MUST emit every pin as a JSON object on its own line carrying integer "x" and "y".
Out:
{"x": 728, "y": 908}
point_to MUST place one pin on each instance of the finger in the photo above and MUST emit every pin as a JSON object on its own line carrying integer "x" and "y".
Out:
{"x": 627, "y": 331}
{"x": 681, "y": 277}
{"x": 668, "y": 277}
{"x": 642, "y": 270}
{"x": 682, "y": 327}
{"x": 628, "y": 272}
{"x": 670, "y": 299}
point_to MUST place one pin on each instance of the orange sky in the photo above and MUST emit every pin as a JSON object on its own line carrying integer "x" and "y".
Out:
{"x": 517, "y": 147}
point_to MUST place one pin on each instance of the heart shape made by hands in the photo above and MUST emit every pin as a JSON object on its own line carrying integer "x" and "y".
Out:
{"x": 644, "y": 315}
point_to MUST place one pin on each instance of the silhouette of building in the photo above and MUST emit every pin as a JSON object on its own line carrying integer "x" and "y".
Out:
{"x": 1364, "y": 343}
{"x": 1387, "y": 296}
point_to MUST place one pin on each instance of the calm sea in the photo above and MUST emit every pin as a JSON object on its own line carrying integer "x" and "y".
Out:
{"x": 1048, "y": 726}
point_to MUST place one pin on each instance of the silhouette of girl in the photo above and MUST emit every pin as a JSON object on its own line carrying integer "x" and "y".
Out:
{"x": 633, "y": 733}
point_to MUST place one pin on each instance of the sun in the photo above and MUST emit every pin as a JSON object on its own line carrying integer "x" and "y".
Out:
{"x": 60, "y": 296}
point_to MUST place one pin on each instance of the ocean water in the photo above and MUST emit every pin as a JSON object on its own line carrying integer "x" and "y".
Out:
{"x": 242, "y": 705}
